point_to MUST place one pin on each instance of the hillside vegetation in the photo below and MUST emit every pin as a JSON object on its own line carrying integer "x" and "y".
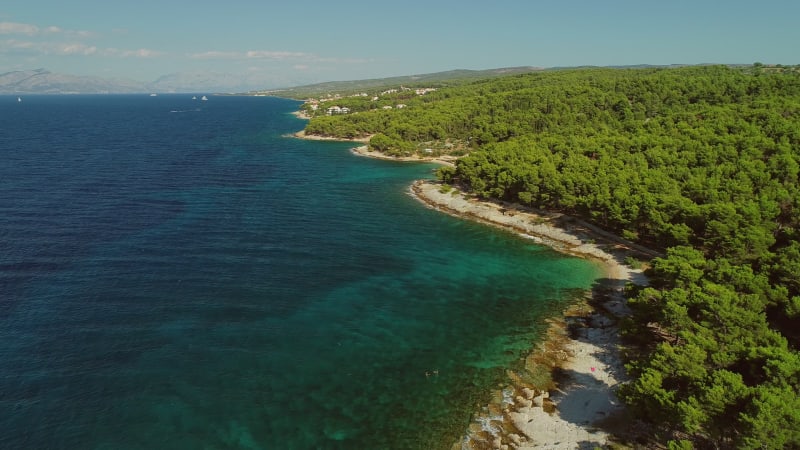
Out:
{"x": 701, "y": 163}
{"x": 448, "y": 78}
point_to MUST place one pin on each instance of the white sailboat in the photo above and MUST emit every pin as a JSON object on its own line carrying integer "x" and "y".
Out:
{"x": 194, "y": 97}
{"x": 19, "y": 99}
{"x": 204, "y": 98}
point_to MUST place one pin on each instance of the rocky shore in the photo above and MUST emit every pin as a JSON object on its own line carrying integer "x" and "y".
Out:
{"x": 444, "y": 159}
{"x": 315, "y": 137}
{"x": 578, "y": 406}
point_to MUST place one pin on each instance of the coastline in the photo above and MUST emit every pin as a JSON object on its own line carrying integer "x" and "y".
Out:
{"x": 363, "y": 150}
{"x": 561, "y": 232}
{"x": 301, "y": 115}
{"x": 579, "y": 407}
{"x": 315, "y": 137}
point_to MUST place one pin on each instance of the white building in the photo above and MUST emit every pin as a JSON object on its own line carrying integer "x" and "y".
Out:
{"x": 424, "y": 91}
{"x": 337, "y": 110}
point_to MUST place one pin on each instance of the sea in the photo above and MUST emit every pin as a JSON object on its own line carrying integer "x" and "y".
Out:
{"x": 182, "y": 274}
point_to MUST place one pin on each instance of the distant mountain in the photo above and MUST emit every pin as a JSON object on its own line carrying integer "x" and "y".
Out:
{"x": 42, "y": 81}
{"x": 210, "y": 82}
{"x": 194, "y": 81}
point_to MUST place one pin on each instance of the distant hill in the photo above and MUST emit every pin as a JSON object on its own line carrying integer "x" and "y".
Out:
{"x": 42, "y": 81}
{"x": 439, "y": 78}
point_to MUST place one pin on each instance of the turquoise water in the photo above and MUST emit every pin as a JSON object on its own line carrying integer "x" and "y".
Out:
{"x": 181, "y": 275}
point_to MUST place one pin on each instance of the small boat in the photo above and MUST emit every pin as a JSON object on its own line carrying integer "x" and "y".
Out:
{"x": 153, "y": 95}
{"x": 204, "y": 98}
{"x": 19, "y": 99}
{"x": 194, "y": 97}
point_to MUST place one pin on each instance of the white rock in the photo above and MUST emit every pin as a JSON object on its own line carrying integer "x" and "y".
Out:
{"x": 528, "y": 393}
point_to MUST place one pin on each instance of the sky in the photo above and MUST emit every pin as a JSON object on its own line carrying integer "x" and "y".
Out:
{"x": 301, "y": 42}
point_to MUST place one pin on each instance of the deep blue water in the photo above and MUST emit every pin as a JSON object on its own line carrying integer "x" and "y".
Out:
{"x": 178, "y": 274}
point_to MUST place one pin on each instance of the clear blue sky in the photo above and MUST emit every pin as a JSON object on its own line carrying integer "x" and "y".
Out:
{"x": 298, "y": 42}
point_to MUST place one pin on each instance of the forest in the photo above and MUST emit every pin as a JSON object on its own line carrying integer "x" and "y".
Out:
{"x": 701, "y": 163}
